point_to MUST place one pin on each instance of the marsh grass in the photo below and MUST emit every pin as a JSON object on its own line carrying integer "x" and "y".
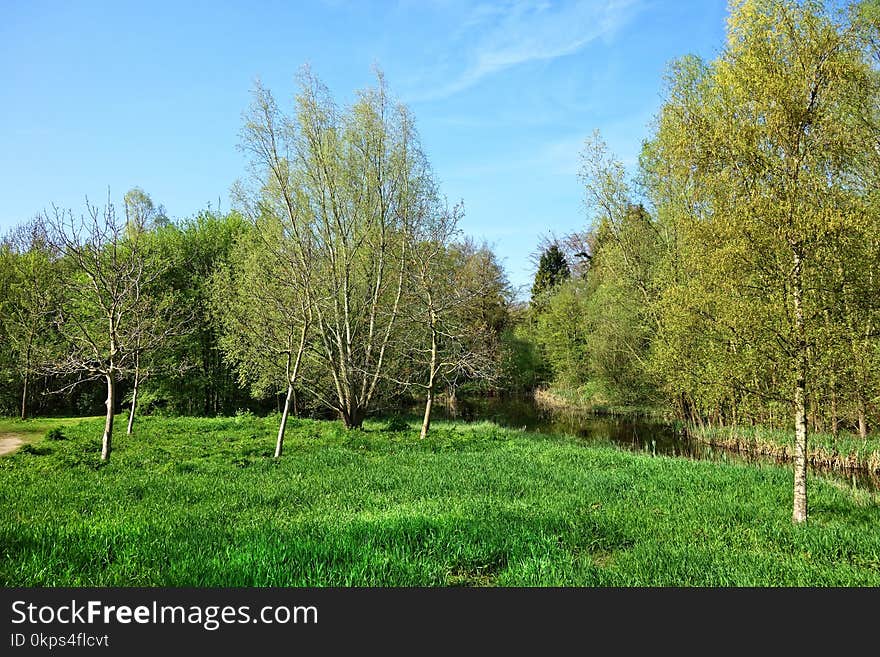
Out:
{"x": 200, "y": 502}
{"x": 842, "y": 452}
{"x": 590, "y": 398}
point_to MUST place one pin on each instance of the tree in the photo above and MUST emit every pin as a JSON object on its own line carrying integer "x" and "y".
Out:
{"x": 563, "y": 333}
{"x": 29, "y": 299}
{"x": 162, "y": 316}
{"x": 191, "y": 376}
{"x": 765, "y": 140}
{"x": 347, "y": 185}
{"x": 448, "y": 282}
{"x": 104, "y": 317}
{"x": 596, "y": 329}
{"x": 141, "y": 213}
{"x": 552, "y": 271}
{"x": 264, "y": 321}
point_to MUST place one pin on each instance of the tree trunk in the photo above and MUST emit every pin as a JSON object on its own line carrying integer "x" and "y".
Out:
{"x": 279, "y": 443}
{"x": 108, "y": 423}
{"x": 426, "y": 422}
{"x": 352, "y": 417}
{"x": 134, "y": 396}
{"x": 27, "y": 376}
{"x": 291, "y": 394}
{"x": 835, "y": 422}
{"x": 799, "y": 513}
{"x": 24, "y": 393}
{"x": 863, "y": 422}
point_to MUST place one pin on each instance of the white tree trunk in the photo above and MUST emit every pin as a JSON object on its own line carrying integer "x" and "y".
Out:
{"x": 863, "y": 421}
{"x": 134, "y": 396}
{"x": 24, "y": 393}
{"x": 106, "y": 441}
{"x": 799, "y": 513}
{"x": 426, "y": 422}
{"x": 291, "y": 379}
{"x": 27, "y": 374}
{"x": 279, "y": 442}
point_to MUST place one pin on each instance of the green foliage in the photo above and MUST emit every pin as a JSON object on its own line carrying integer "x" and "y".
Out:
{"x": 396, "y": 423}
{"x": 192, "y": 377}
{"x": 597, "y": 329}
{"x": 472, "y": 505}
{"x": 563, "y": 333}
{"x": 552, "y": 271}
{"x": 28, "y": 297}
{"x": 759, "y": 160}
{"x": 522, "y": 366}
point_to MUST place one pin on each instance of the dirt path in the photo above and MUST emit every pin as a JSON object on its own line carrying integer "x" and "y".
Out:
{"x": 9, "y": 442}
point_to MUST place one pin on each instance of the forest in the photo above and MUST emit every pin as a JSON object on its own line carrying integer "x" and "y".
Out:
{"x": 729, "y": 283}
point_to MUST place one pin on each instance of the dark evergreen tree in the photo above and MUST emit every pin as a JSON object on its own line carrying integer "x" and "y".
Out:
{"x": 552, "y": 270}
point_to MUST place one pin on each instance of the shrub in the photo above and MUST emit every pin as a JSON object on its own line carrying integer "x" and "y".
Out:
{"x": 396, "y": 423}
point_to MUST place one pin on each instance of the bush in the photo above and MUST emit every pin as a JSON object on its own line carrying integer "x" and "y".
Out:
{"x": 396, "y": 423}
{"x": 55, "y": 434}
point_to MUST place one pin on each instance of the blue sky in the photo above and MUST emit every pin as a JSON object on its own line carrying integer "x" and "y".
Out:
{"x": 150, "y": 94}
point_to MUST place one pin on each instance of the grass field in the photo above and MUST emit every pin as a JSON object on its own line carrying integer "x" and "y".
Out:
{"x": 200, "y": 502}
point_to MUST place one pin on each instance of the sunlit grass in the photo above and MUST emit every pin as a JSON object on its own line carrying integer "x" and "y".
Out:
{"x": 200, "y": 502}
{"x": 35, "y": 428}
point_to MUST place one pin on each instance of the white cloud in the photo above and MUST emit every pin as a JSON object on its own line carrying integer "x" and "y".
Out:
{"x": 495, "y": 38}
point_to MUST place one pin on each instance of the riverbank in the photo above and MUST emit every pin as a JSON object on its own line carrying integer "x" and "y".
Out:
{"x": 843, "y": 453}
{"x": 200, "y": 502}
{"x": 583, "y": 400}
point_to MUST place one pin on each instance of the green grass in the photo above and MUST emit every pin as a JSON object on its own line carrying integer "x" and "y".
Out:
{"x": 33, "y": 429}
{"x": 200, "y": 502}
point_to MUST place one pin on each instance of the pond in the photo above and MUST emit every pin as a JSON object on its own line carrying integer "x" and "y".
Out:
{"x": 640, "y": 434}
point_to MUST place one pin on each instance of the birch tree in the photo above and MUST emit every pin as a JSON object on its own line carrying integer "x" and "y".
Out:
{"x": 162, "y": 316}
{"x": 766, "y": 137}
{"x": 444, "y": 338}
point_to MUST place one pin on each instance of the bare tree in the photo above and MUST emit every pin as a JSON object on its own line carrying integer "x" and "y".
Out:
{"x": 106, "y": 318}
{"x": 445, "y": 285}
{"x": 575, "y": 247}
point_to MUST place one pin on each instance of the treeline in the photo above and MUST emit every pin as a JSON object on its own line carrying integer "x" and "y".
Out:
{"x": 736, "y": 278}
{"x": 342, "y": 284}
